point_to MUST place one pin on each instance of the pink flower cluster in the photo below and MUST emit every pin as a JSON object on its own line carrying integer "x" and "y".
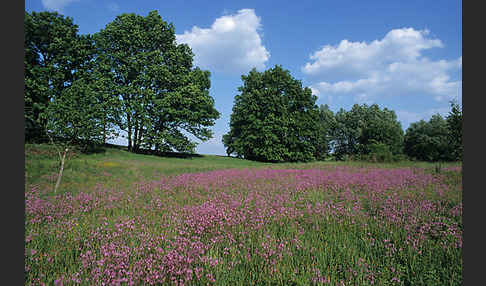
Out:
{"x": 182, "y": 229}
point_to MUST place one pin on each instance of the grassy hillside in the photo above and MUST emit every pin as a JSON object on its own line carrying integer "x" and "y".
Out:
{"x": 130, "y": 219}
{"x": 113, "y": 166}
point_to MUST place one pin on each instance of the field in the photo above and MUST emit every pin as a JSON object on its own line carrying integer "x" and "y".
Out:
{"x": 129, "y": 219}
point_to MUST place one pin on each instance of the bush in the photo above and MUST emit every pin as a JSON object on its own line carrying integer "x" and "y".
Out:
{"x": 380, "y": 152}
{"x": 400, "y": 157}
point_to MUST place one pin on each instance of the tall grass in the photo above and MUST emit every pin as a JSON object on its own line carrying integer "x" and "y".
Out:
{"x": 224, "y": 221}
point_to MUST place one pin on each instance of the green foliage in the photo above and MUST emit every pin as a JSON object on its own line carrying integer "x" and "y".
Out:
{"x": 326, "y": 125}
{"x": 356, "y": 132}
{"x": 162, "y": 97}
{"x": 428, "y": 141}
{"x": 66, "y": 96}
{"x": 454, "y": 125}
{"x": 345, "y": 135}
{"x": 273, "y": 118}
{"x": 133, "y": 76}
{"x": 54, "y": 53}
{"x": 379, "y": 152}
{"x": 438, "y": 139}
{"x": 130, "y": 76}
{"x": 77, "y": 116}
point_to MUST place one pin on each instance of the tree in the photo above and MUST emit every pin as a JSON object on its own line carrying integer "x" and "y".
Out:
{"x": 77, "y": 116}
{"x": 274, "y": 118}
{"x": 54, "y": 52}
{"x": 74, "y": 118}
{"x": 326, "y": 125}
{"x": 438, "y": 139}
{"x": 454, "y": 125}
{"x": 365, "y": 129}
{"x": 346, "y": 133}
{"x": 61, "y": 102}
{"x": 381, "y": 127}
{"x": 162, "y": 97}
{"x": 428, "y": 141}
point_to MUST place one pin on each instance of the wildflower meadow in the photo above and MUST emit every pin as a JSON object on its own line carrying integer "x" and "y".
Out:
{"x": 315, "y": 224}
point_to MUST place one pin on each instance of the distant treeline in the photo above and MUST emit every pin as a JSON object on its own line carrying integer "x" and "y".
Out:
{"x": 275, "y": 119}
{"x": 132, "y": 76}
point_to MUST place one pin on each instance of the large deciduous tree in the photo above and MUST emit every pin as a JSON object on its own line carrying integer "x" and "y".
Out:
{"x": 381, "y": 127}
{"x": 61, "y": 97}
{"x": 428, "y": 141}
{"x": 162, "y": 97}
{"x": 54, "y": 55}
{"x": 438, "y": 139}
{"x": 274, "y": 118}
{"x": 360, "y": 130}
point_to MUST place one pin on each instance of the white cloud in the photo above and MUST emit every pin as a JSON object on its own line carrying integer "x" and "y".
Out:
{"x": 391, "y": 66}
{"x": 315, "y": 91}
{"x": 232, "y": 44}
{"x": 408, "y": 117}
{"x": 56, "y": 5}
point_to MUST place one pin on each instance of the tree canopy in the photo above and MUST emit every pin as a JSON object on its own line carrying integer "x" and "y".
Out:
{"x": 163, "y": 98}
{"x": 438, "y": 139}
{"x": 54, "y": 56}
{"x": 454, "y": 125}
{"x": 428, "y": 141}
{"x": 359, "y": 130}
{"x": 274, "y": 118}
{"x": 131, "y": 76}
{"x": 326, "y": 124}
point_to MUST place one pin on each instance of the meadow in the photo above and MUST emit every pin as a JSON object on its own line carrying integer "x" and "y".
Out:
{"x": 120, "y": 218}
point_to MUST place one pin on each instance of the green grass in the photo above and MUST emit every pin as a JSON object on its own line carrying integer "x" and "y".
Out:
{"x": 117, "y": 167}
{"x": 347, "y": 246}
{"x": 114, "y": 167}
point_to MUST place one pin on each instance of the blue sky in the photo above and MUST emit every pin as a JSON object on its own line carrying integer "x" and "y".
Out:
{"x": 402, "y": 55}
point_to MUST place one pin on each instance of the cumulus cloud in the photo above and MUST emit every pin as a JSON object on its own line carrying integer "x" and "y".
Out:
{"x": 394, "y": 65}
{"x": 56, "y": 5}
{"x": 232, "y": 44}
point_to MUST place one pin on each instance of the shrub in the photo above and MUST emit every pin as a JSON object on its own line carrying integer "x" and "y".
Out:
{"x": 380, "y": 152}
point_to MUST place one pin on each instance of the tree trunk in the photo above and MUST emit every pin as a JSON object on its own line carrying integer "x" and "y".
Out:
{"x": 60, "y": 171}
{"x": 140, "y": 132}
{"x": 135, "y": 136}
{"x": 140, "y": 136}
{"x": 129, "y": 131}
{"x": 104, "y": 130}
